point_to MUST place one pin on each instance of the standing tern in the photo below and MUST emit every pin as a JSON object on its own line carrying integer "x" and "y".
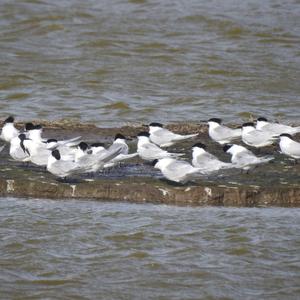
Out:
{"x": 288, "y": 146}
{"x": 9, "y": 131}
{"x": 207, "y": 161}
{"x": 275, "y": 128}
{"x": 220, "y": 133}
{"x": 164, "y": 137}
{"x": 177, "y": 170}
{"x": 150, "y": 151}
{"x": 243, "y": 158}
{"x": 256, "y": 138}
{"x": 120, "y": 142}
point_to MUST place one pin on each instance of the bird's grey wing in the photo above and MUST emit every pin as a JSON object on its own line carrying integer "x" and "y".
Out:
{"x": 208, "y": 162}
{"x": 65, "y": 167}
{"x": 226, "y": 132}
{"x": 121, "y": 157}
{"x": 116, "y": 146}
{"x": 153, "y": 149}
{"x": 294, "y": 148}
{"x": 164, "y": 136}
{"x": 110, "y": 153}
{"x": 180, "y": 167}
{"x": 70, "y": 142}
{"x": 2, "y": 147}
{"x": 208, "y": 156}
{"x": 245, "y": 158}
{"x": 259, "y": 137}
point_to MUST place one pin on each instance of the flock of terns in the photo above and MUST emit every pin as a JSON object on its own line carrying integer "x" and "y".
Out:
{"x": 65, "y": 158}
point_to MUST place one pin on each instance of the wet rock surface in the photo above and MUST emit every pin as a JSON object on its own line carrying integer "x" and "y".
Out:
{"x": 273, "y": 184}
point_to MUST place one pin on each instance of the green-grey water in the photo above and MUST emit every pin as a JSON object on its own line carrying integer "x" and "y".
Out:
{"x": 112, "y": 62}
{"x": 96, "y": 250}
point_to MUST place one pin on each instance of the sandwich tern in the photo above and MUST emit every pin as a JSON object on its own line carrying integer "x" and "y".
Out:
{"x": 256, "y": 138}
{"x": 149, "y": 151}
{"x": 275, "y": 128}
{"x": 288, "y": 146}
{"x": 120, "y": 142}
{"x": 206, "y": 161}
{"x": 9, "y": 131}
{"x": 60, "y": 167}
{"x": 220, "y": 133}
{"x": 177, "y": 170}
{"x": 243, "y": 158}
{"x": 164, "y": 137}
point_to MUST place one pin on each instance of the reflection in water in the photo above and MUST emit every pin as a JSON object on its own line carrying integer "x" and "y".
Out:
{"x": 122, "y": 61}
{"x": 94, "y": 250}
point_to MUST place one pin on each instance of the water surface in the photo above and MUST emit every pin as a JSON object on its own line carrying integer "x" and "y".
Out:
{"x": 112, "y": 62}
{"x": 96, "y": 250}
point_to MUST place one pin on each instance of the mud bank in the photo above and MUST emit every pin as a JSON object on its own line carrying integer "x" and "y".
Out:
{"x": 274, "y": 184}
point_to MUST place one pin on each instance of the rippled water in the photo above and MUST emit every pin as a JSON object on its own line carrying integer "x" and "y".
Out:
{"x": 94, "y": 250}
{"x": 136, "y": 60}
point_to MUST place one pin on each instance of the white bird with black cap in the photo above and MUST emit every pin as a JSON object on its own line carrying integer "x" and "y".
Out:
{"x": 220, "y": 133}
{"x": 120, "y": 142}
{"x": 289, "y": 146}
{"x": 275, "y": 128}
{"x": 150, "y": 151}
{"x": 177, "y": 170}
{"x": 243, "y": 158}
{"x": 206, "y": 161}
{"x": 256, "y": 138}
{"x": 60, "y": 167}
{"x": 164, "y": 137}
{"x": 9, "y": 131}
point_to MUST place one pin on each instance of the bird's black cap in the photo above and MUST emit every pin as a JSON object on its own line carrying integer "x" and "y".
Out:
{"x": 217, "y": 120}
{"x": 155, "y": 124}
{"x": 262, "y": 119}
{"x": 10, "y": 119}
{"x": 226, "y": 147}
{"x": 37, "y": 126}
{"x": 248, "y": 124}
{"x": 29, "y": 126}
{"x": 83, "y": 146}
{"x": 51, "y": 141}
{"x": 120, "y": 136}
{"x": 97, "y": 145}
{"x": 154, "y": 162}
{"x": 287, "y": 135}
{"x": 56, "y": 154}
{"x": 144, "y": 133}
{"x": 200, "y": 145}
